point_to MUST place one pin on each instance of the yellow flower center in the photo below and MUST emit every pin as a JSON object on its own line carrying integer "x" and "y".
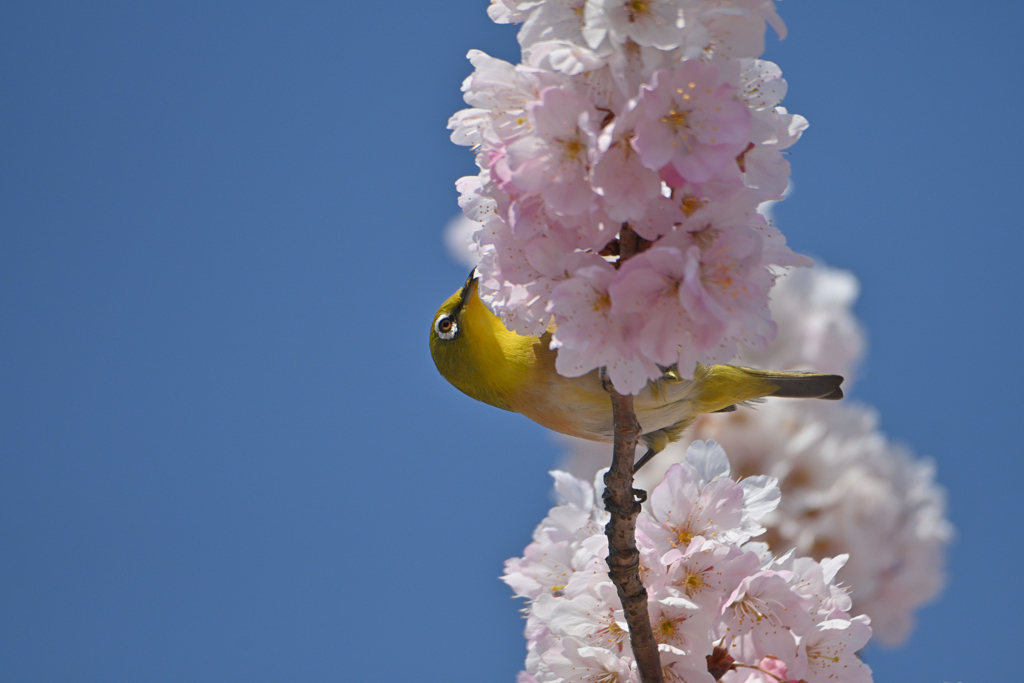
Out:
{"x": 692, "y": 583}
{"x": 676, "y": 119}
{"x": 573, "y": 149}
{"x": 690, "y": 204}
{"x": 683, "y": 536}
{"x": 636, "y": 8}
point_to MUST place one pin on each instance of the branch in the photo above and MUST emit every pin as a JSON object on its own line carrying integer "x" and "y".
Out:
{"x": 620, "y": 501}
{"x": 623, "y": 557}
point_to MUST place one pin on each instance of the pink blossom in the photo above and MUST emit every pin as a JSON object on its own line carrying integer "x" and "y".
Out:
{"x": 628, "y": 187}
{"x": 777, "y": 669}
{"x": 618, "y": 117}
{"x": 681, "y": 510}
{"x": 692, "y": 120}
{"x": 847, "y": 490}
{"x": 555, "y": 160}
{"x": 679, "y": 667}
{"x": 679, "y": 623}
{"x": 763, "y": 166}
{"x": 499, "y": 93}
{"x": 814, "y": 580}
{"x": 649, "y": 287}
{"x": 765, "y": 616}
{"x": 576, "y": 662}
{"x": 545, "y": 567}
{"x": 511, "y": 11}
{"x": 552, "y": 38}
{"x": 736, "y": 28}
{"x": 831, "y": 651}
{"x": 706, "y": 571}
{"x": 594, "y": 618}
{"x": 726, "y": 287}
{"x": 508, "y": 283}
{"x": 704, "y": 594}
{"x": 589, "y": 336}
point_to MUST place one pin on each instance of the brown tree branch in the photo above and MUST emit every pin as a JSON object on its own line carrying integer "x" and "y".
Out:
{"x": 623, "y": 557}
{"x": 621, "y": 502}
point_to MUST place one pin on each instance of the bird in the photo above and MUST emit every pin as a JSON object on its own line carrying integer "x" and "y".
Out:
{"x": 479, "y": 356}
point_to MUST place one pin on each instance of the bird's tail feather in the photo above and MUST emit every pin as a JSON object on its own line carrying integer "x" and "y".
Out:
{"x": 802, "y": 384}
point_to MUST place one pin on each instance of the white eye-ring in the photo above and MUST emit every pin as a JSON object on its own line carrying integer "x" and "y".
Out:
{"x": 445, "y": 327}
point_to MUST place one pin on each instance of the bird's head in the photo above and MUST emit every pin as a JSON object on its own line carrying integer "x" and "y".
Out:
{"x": 447, "y": 339}
{"x": 474, "y": 351}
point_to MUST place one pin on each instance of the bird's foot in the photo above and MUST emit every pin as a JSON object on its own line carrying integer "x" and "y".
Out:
{"x": 644, "y": 459}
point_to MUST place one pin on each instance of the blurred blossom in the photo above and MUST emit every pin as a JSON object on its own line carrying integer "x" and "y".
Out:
{"x": 460, "y": 239}
{"x": 714, "y": 597}
{"x": 816, "y": 327}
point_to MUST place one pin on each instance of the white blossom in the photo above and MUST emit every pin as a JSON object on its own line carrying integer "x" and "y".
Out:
{"x": 707, "y": 594}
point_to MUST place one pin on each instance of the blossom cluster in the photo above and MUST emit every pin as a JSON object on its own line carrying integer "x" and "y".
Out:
{"x": 656, "y": 116}
{"x": 847, "y": 488}
{"x": 721, "y": 607}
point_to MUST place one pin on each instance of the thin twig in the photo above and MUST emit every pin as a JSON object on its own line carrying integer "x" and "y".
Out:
{"x": 621, "y": 502}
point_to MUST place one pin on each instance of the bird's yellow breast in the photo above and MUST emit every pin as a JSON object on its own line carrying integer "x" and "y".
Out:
{"x": 577, "y": 406}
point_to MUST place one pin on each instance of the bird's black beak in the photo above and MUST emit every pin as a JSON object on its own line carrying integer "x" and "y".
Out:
{"x": 467, "y": 291}
{"x": 467, "y": 288}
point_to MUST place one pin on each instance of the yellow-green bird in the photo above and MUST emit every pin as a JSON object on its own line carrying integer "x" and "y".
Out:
{"x": 474, "y": 351}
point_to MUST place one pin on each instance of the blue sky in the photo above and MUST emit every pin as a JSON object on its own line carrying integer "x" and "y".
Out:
{"x": 224, "y": 451}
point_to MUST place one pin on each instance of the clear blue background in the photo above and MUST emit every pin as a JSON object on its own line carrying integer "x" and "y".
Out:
{"x": 225, "y": 454}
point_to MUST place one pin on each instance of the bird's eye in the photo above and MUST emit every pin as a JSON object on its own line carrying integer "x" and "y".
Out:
{"x": 445, "y": 327}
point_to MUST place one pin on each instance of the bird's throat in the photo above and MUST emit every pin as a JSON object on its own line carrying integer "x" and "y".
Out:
{"x": 492, "y": 364}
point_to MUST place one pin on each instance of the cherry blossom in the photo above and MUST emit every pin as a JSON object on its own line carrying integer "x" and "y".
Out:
{"x": 651, "y": 116}
{"x": 625, "y": 184}
{"x": 830, "y": 650}
{"x": 556, "y": 159}
{"x": 765, "y": 616}
{"x": 736, "y": 28}
{"x": 654, "y": 23}
{"x": 691, "y": 119}
{"x": 715, "y": 595}
{"x": 573, "y": 662}
{"x": 591, "y": 336}
{"x": 706, "y": 571}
